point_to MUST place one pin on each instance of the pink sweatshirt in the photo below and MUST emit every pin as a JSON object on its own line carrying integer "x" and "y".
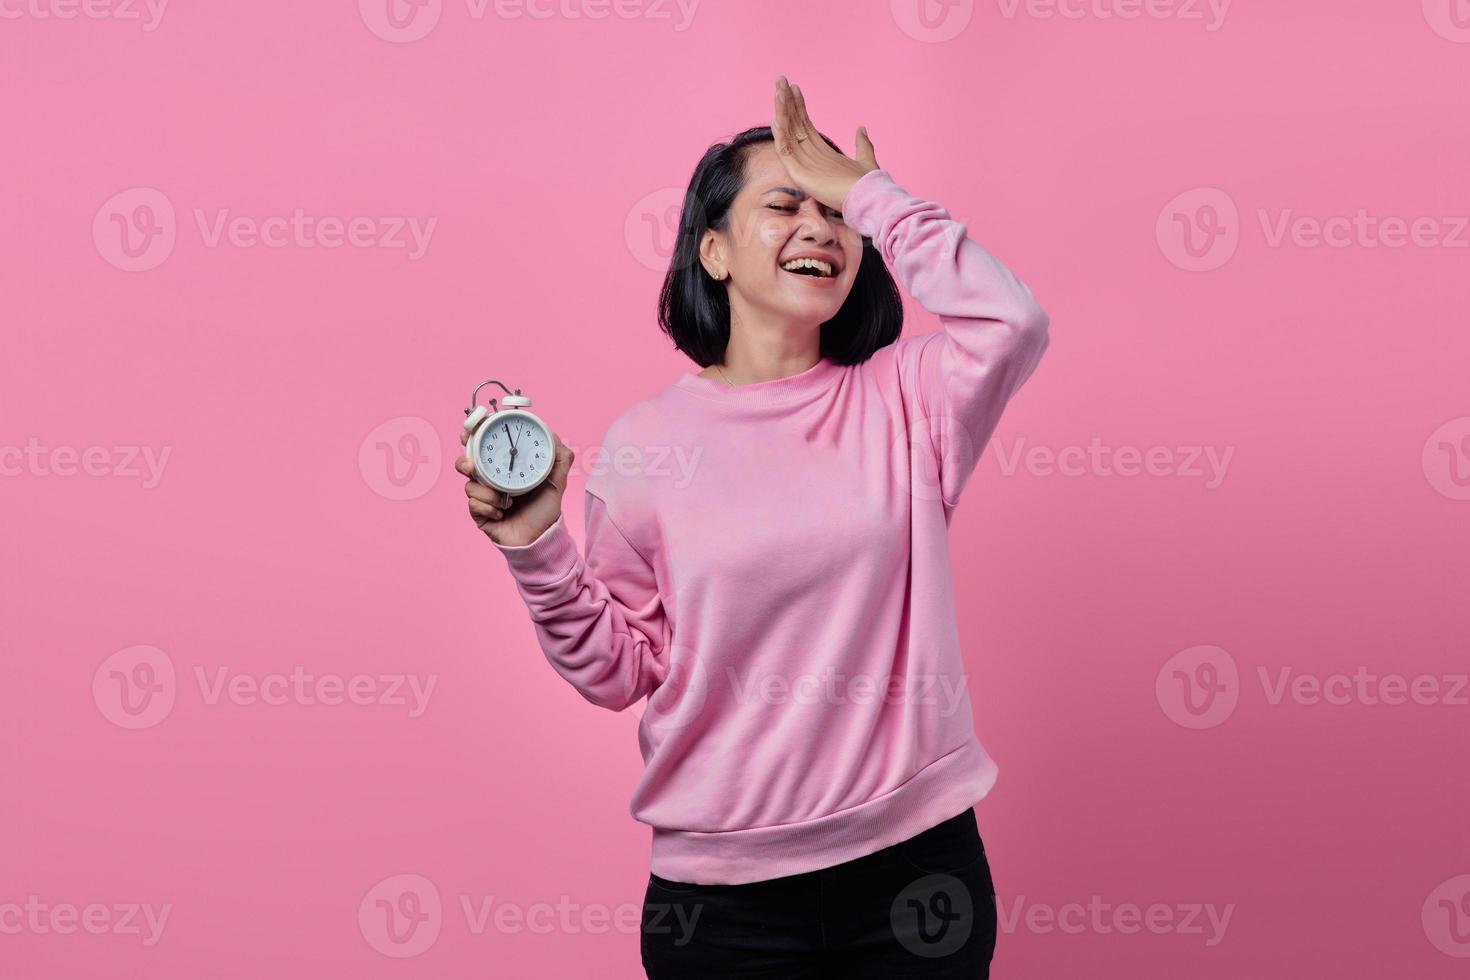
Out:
{"x": 769, "y": 565}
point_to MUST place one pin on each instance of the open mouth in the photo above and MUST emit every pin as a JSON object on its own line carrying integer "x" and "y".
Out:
{"x": 810, "y": 268}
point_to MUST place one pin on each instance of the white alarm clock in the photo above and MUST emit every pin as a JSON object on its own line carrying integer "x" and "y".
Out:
{"x": 511, "y": 448}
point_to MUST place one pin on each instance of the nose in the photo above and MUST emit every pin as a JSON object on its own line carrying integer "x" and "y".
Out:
{"x": 815, "y": 225}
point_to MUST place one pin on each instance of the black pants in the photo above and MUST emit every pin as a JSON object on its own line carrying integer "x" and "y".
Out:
{"x": 924, "y": 907}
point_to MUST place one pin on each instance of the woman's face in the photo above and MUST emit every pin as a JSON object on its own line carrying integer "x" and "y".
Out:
{"x": 771, "y": 223}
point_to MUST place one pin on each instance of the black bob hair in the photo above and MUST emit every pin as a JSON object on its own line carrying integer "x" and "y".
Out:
{"x": 694, "y": 309}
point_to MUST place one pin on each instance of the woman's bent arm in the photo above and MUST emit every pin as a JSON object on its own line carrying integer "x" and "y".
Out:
{"x": 960, "y": 378}
{"x": 600, "y": 622}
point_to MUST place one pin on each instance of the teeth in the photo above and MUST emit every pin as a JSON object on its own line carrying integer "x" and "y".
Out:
{"x": 824, "y": 268}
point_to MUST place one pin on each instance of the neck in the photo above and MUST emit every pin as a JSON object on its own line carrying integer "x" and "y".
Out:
{"x": 758, "y": 353}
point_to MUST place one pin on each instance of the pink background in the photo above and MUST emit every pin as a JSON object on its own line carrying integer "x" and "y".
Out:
{"x": 280, "y": 380}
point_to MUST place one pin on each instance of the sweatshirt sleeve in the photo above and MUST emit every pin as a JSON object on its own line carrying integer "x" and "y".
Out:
{"x": 600, "y": 621}
{"x": 956, "y": 381}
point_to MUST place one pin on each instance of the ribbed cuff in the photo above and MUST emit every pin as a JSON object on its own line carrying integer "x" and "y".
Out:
{"x": 550, "y": 558}
{"x": 865, "y": 198}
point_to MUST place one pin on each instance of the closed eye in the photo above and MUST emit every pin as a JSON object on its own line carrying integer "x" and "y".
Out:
{"x": 788, "y": 209}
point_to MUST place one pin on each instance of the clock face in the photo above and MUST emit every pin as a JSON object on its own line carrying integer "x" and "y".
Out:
{"x": 515, "y": 450}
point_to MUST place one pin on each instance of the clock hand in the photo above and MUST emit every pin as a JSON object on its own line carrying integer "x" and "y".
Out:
{"x": 511, "y": 439}
{"x": 514, "y": 450}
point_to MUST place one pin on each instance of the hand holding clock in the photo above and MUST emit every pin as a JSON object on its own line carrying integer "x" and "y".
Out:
{"x": 516, "y": 521}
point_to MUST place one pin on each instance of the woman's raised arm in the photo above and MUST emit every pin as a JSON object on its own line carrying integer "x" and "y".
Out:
{"x": 959, "y": 379}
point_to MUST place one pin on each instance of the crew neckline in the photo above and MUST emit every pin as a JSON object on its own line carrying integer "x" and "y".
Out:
{"x": 814, "y": 378}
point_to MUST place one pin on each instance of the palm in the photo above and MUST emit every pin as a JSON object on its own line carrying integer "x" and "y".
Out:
{"x": 526, "y": 517}
{"x": 815, "y": 167}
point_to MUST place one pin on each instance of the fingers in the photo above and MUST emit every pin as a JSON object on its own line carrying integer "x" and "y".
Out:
{"x": 866, "y": 155}
{"x": 788, "y": 122}
{"x": 794, "y": 120}
{"x": 801, "y": 122}
{"x": 482, "y": 511}
{"x": 498, "y": 499}
{"x": 780, "y": 124}
{"x": 485, "y": 503}
{"x": 561, "y": 464}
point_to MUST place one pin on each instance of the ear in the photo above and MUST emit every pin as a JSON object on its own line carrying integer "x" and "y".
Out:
{"x": 712, "y": 253}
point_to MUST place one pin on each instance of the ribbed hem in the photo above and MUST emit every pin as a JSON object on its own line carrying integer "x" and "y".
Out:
{"x": 943, "y": 789}
{"x": 550, "y": 558}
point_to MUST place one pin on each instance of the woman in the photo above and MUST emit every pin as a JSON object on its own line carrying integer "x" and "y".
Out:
{"x": 767, "y": 562}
